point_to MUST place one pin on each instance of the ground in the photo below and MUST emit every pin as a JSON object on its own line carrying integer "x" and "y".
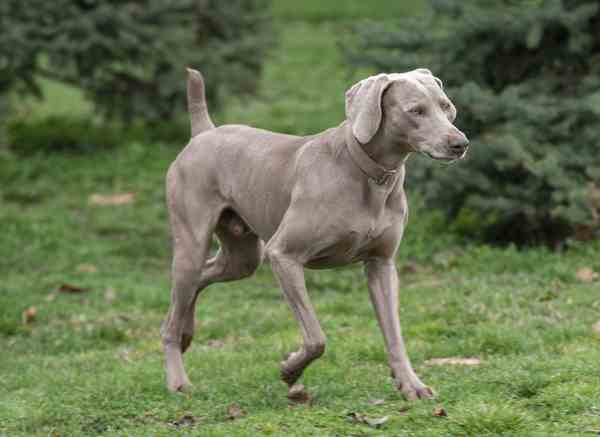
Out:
{"x": 86, "y": 362}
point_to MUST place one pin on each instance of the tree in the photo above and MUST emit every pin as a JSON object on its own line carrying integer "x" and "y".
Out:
{"x": 129, "y": 57}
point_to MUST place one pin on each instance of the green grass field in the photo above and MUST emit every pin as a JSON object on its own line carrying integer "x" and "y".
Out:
{"x": 90, "y": 362}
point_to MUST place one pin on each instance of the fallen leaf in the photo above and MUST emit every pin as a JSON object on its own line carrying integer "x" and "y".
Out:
{"x": 124, "y": 354}
{"x": 357, "y": 417}
{"x": 111, "y": 199}
{"x": 404, "y": 410}
{"x": 587, "y": 275}
{"x": 185, "y": 420}
{"x": 299, "y": 395}
{"x": 410, "y": 267}
{"x": 453, "y": 361}
{"x": 87, "y": 268}
{"x": 376, "y": 402}
{"x": 596, "y": 327}
{"x": 110, "y": 294}
{"x": 235, "y": 412}
{"x": 215, "y": 343}
{"x": 68, "y": 288}
{"x": 374, "y": 422}
{"x": 440, "y": 412}
{"x": 29, "y": 314}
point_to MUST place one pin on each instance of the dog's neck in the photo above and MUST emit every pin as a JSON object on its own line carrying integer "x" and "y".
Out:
{"x": 380, "y": 166}
{"x": 386, "y": 150}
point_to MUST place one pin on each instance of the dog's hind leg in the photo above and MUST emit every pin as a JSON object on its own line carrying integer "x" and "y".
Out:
{"x": 191, "y": 243}
{"x": 186, "y": 272}
{"x": 240, "y": 253}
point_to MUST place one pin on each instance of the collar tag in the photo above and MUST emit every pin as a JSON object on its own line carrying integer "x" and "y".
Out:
{"x": 385, "y": 177}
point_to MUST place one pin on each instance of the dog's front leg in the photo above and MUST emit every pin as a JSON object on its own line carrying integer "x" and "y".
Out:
{"x": 383, "y": 288}
{"x": 290, "y": 275}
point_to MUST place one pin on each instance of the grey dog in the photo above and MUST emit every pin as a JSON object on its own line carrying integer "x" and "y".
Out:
{"x": 318, "y": 201}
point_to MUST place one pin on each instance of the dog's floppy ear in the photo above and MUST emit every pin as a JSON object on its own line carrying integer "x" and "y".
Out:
{"x": 429, "y": 73}
{"x": 363, "y": 106}
{"x": 424, "y": 71}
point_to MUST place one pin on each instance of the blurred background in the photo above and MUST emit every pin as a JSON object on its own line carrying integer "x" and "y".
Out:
{"x": 92, "y": 112}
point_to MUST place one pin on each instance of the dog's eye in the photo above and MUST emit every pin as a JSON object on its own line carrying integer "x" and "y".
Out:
{"x": 418, "y": 110}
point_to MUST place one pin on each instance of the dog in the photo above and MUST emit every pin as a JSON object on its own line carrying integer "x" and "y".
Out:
{"x": 318, "y": 201}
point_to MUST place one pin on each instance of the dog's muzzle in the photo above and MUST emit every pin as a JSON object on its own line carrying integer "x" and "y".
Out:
{"x": 458, "y": 146}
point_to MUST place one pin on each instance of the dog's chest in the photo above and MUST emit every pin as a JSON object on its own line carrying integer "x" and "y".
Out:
{"x": 359, "y": 233}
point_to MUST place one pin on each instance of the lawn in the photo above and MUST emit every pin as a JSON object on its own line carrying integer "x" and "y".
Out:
{"x": 88, "y": 359}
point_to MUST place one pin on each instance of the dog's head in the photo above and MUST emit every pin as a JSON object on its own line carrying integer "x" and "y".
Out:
{"x": 411, "y": 109}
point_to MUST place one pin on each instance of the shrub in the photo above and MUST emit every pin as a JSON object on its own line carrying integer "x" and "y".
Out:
{"x": 525, "y": 77}
{"x": 129, "y": 57}
{"x": 55, "y": 134}
{"x": 81, "y": 134}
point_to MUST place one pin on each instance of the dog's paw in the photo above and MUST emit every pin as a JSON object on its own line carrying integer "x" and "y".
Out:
{"x": 180, "y": 385}
{"x": 416, "y": 393}
{"x": 414, "y": 390}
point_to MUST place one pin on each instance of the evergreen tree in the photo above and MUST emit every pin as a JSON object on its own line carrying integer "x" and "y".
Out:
{"x": 129, "y": 57}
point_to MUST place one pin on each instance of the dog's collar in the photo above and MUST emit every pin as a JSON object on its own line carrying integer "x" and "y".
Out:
{"x": 376, "y": 172}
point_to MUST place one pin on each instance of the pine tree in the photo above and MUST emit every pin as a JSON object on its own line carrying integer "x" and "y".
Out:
{"x": 129, "y": 57}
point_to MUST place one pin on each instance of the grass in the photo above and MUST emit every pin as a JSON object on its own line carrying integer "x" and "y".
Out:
{"x": 59, "y": 100}
{"x": 90, "y": 363}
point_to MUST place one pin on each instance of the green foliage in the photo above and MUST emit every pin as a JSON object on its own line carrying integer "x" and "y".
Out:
{"x": 318, "y": 11}
{"x": 524, "y": 76}
{"x": 82, "y": 134}
{"x": 59, "y": 134}
{"x": 3, "y": 116}
{"x": 130, "y": 57}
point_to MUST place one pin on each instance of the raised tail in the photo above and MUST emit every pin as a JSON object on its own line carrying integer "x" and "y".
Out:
{"x": 196, "y": 97}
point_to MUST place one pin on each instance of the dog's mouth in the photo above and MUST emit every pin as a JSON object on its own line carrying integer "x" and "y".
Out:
{"x": 448, "y": 158}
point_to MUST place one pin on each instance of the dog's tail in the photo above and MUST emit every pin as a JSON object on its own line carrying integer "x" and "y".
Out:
{"x": 196, "y": 97}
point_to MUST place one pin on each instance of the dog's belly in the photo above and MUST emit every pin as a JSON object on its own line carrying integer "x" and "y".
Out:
{"x": 352, "y": 247}
{"x": 330, "y": 260}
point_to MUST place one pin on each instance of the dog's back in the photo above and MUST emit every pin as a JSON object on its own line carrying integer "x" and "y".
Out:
{"x": 249, "y": 169}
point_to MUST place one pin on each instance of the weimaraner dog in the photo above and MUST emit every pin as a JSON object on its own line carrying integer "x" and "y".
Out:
{"x": 318, "y": 201}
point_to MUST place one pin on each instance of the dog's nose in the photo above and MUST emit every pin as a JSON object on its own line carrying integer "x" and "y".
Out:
{"x": 458, "y": 142}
